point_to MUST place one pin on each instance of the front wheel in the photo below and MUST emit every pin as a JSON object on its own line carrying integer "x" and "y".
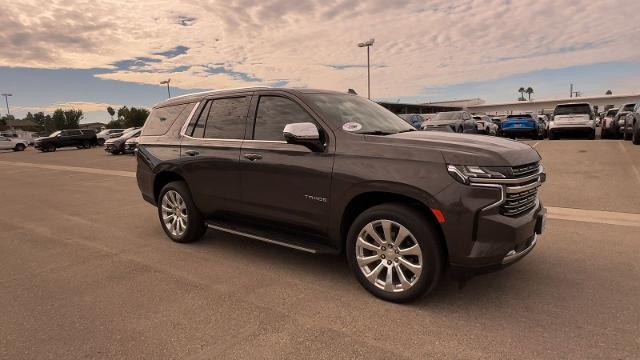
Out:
{"x": 592, "y": 135}
{"x": 86, "y": 144}
{"x": 395, "y": 252}
{"x": 19, "y": 147}
{"x": 179, "y": 217}
{"x": 51, "y": 148}
{"x": 635, "y": 137}
{"x": 100, "y": 141}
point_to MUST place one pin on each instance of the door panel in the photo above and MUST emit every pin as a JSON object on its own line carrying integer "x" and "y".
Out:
{"x": 288, "y": 184}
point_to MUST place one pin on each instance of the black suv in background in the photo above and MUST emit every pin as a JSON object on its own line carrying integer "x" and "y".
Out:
{"x": 633, "y": 123}
{"x": 81, "y": 139}
{"x": 327, "y": 172}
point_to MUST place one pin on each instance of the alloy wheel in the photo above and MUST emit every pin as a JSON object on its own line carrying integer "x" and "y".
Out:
{"x": 389, "y": 256}
{"x": 174, "y": 213}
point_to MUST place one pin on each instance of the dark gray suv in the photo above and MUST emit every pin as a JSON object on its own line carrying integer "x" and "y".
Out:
{"x": 327, "y": 172}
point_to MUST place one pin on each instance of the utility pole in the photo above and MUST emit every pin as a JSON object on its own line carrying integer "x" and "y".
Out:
{"x": 6, "y": 101}
{"x": 368, "y": 44}
{"x": 571, "y": 91}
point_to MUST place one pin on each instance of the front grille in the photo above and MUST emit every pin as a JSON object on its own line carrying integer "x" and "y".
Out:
{"x": 520, "y": 198}
{"x": 520, "y": 202}
{"x": 525, "y": 170}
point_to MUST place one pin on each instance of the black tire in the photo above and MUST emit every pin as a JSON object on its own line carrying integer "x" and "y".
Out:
{"x": 553, "y": 136}
{"x": 86, "y": 144}
{"x": 635, "y": 137}
{"x": 627, "y": 136}
{"x": 115, "y": 152}
{"x": 19, "y": 147}
{"x": 425, "y": 234}
{"x": 196, "y": 226}
{"x": 100, "y": 142}
{"x": 592, "y": 135}
{"x": 51, "y": 148}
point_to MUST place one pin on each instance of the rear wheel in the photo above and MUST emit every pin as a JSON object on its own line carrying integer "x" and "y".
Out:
{"x": 179, "y": 217}
{"x": 627, "y": 136}
{"x": 86, "y": 144}
{"x": 635, "y": 138}
{"x": 395, "y": 252}
{"x": 553, "y": 136}
{"x": 100, "y": 141}
{"x": 592, "y": 135}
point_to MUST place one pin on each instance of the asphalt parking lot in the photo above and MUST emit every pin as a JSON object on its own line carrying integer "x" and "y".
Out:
{"x": 86, "y": 272}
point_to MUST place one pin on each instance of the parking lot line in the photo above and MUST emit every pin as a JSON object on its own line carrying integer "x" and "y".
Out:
{"x": 635, "y": 169}
{"x": 594, "y": 216}
{"x": 72, "y": 168}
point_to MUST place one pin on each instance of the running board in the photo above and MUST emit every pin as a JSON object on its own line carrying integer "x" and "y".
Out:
{"x": 290, "y": 242}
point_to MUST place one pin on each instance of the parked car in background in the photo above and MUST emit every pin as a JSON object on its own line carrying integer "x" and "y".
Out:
{"x": 458, "y": 121}
{"x": 634, "y": 119}
{"x": 130, "y": 145}
{"x": 327, "y": 172}
{"x": 485, "y": 126}
{"x": 624, "y": 130}
{"x": 81, "y": 139}
{"x": 414, "y": 120}
{"x": 12, "y": 143}
{"x": 116, "y": 146}
{"x": 608, "y": 127}
{"x": 619, "y": 122}
{"x": 571, "y": 119}
{"x": 104, "y": 135}
{"x": 522, "y": 125}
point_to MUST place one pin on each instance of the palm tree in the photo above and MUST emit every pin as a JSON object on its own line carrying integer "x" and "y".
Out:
{"x": 111, "y": 112}
{"x": 529, "y": 91}
{"x": 521, "y": 91}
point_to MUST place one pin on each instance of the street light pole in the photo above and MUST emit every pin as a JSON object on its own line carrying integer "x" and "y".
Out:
{"x": 6, "y": 101}
{"x": 167, "y": 82}
{"x": 368, "y": 44}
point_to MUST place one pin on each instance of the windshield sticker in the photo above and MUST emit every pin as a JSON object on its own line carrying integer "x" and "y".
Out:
{"x": 351, "y": 126}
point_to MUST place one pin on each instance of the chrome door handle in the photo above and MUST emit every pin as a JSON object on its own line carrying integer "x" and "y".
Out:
{"x": 252, "y": 157}
{"x": 192, "y": 152}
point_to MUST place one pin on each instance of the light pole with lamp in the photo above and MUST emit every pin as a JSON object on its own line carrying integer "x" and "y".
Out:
{"x": 167, "y": 82}
{"x": 6, "y": 101}
{"x": 368, "y": 44}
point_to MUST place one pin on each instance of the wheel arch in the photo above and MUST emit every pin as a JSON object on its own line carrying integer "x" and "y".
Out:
{"x": 162, "y": 178}
{"x": 373, "y": 197}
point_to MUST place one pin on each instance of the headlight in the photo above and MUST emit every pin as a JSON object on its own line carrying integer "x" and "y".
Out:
{"x": 462, "y": 173}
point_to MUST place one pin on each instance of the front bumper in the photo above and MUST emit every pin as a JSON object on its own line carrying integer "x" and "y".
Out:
{"x": 479, "y": 234}
{"x": 111, "y": 148}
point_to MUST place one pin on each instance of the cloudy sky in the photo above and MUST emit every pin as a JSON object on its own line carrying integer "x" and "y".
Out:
{"x": 92, "y": 54}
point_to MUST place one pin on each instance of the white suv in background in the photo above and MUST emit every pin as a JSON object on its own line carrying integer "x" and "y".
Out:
{"x": 107, "y": 134}
{"x": 15, "y": 144}
{"x": 573, "y": 118}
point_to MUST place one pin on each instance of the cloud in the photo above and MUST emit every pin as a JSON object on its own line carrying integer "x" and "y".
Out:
{"x": 82, "y": 105}
{"x": 218, "y": 44}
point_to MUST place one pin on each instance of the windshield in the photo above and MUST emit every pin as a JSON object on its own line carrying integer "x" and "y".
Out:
{"x": 55, "y": 133}
{"x": 572, "y": 109}
{"x": 359, "y": 115}
{"x": 628, "y": 107}
{"x": 448, "y": 116}
{"x": 612, "y": 112}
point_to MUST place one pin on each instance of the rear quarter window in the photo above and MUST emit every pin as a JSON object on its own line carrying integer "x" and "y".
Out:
{"x": 161, "y": 119}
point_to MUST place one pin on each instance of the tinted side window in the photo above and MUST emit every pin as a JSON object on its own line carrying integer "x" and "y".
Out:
{"x": 227, "y": 118}
{"x": 73, "y": 133}
{"x": 161, "y": 119}
{"x": 273, "y": 114}
{"x": 198, "y": 128}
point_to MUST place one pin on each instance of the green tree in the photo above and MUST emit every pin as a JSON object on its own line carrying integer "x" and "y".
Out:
{"x": 45, "y": 123}
{"x": 28, "y": 117}
{"x": 114, "y": 124}
{"x": 111, "y": 112}
{"x": 135, "y": 117}
{"x": 609, "y": 92}
{"x": 72, "y": 118}
{"x": 123, "y": 113}
{"x": 521, "y": 91}
{"x": 529, "y": 91}
{"x": 58, "y": 120}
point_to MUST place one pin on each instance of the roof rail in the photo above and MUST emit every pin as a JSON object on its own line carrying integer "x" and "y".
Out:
{"x": 220, "y": 90}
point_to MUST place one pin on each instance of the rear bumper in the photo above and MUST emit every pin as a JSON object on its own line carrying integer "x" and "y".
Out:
{"x": 520, "y": 131}
{"x": 571, "y": 129}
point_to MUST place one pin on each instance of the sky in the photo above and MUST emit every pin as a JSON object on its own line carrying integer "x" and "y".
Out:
{"x": 94, "y": 54}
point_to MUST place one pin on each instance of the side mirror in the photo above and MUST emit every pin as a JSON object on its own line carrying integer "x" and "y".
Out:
{"x": 305, "y": 133}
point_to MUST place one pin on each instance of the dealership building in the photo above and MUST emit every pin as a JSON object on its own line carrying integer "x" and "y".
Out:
{"x": 536, "y": 106}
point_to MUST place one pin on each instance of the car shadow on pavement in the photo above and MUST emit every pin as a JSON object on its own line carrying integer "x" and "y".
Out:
{"x": 334, "y": 270}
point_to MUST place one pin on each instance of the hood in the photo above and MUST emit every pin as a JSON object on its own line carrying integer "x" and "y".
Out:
{"x": 44, "y": 138}
{"x": 461, "y": 149}
{"x": 132, "y": 141}
{"x": 113, "y": 141}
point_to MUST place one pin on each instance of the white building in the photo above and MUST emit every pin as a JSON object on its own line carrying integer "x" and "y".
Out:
{"x": 538, "y": 106}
